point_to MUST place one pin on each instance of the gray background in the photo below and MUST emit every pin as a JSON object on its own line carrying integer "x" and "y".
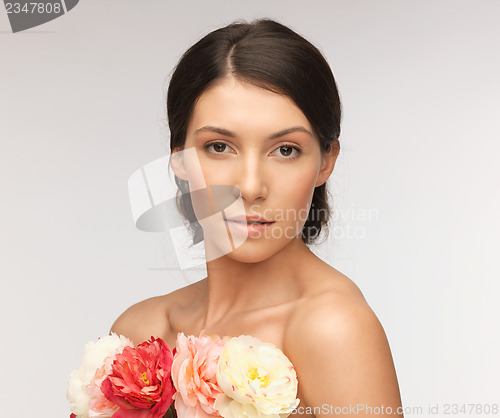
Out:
{"x": 81, "y": 108}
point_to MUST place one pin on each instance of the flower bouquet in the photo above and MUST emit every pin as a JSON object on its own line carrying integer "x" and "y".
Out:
{"x": 202, "y": 377}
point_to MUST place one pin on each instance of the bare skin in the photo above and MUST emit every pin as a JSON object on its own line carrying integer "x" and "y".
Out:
{"x": 275, "y": 289}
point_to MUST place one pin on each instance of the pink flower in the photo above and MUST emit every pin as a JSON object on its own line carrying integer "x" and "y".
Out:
{"x": 140, "y": 382}
{"x": 84, "y": 384}
{"x": 194, "y": 373}
{"x": 99, "y": 405}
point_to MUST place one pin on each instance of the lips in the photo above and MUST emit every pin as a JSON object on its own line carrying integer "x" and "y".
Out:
{"x": 249, "y": 226}
{"x": 250, "y": 220}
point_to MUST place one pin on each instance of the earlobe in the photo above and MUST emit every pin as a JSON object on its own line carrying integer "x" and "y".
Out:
{"x": 327, "y": 164}
{"x": 177, "y": 163}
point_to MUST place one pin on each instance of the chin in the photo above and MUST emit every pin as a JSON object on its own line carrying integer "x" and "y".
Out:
{"x": 251, "y": 249}
{"x": 245, "y": 254}
{"x": 256, "y": 250}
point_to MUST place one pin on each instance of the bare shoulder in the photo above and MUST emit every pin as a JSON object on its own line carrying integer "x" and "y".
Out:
{"x": 150, "y": 317}
{"x": 334, "y": 317}
{"x": 143, "y": 320}
{"x": 339, "y": 348}
{"x": 335, "y": 306}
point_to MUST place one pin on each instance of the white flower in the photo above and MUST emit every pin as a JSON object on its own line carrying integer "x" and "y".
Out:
{"x": 95, "y": 354}
{"x": 257, "y": 379}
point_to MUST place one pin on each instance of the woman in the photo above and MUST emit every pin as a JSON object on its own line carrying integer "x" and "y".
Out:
{"x": 255, "y": 106}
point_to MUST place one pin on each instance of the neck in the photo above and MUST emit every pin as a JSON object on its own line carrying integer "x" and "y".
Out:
{"x": 235, "y": 286}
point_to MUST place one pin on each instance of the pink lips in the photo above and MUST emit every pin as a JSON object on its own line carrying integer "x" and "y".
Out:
{"x": 249, "y": 218}
{"x": 243, "y": 224}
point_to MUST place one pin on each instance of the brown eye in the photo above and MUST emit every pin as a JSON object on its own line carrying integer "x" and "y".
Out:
{"x": 286, "y": 150}
{"x": 219, "y": 147}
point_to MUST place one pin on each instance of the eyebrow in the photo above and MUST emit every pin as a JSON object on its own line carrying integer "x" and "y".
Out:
{"x": 230, "y": 134}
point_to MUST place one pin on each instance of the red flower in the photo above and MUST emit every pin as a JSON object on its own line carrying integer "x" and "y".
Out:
{"x": 140, "y": 382}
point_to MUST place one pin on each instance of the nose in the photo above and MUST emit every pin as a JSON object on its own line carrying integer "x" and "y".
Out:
{"x": 251, "y": 178}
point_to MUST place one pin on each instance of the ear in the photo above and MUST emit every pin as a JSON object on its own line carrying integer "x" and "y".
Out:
{"x": 327, "y": 163}
{"x": 177, "y": 163}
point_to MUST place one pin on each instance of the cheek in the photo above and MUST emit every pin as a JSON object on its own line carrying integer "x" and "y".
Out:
{"x": 296, "y": 192}
{"x": 203, "y": 172}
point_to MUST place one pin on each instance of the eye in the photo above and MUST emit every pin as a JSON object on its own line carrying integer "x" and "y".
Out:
{"x": 285, "y": 151}
{"x": 288, "y": 151}
{"x": 218, "y": 148}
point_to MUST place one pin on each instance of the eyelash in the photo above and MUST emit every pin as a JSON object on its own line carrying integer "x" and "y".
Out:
{"x": 296, "y": 148}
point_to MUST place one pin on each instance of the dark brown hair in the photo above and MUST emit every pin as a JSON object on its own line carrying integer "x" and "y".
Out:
{"x": 269, "y": 55}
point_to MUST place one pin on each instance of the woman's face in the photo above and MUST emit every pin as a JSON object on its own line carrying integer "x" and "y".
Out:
{"x": 261, "y": 143}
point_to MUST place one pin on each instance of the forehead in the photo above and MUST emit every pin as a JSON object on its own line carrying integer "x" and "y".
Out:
{"x": 242, "y": 106}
